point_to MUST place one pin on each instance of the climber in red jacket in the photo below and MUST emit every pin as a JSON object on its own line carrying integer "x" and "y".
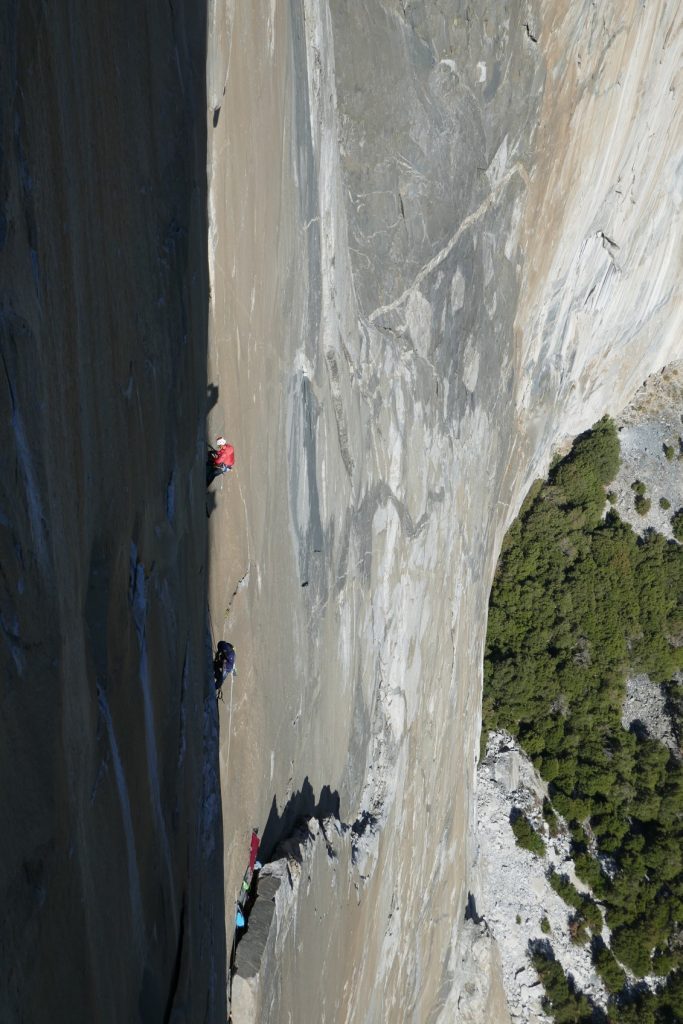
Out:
{"x": 223, "y": 454}
{"x": 221, "y": 459}
{"x": 254, "y": 863}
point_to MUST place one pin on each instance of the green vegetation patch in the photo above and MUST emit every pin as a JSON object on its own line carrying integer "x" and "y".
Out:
{"x": 643, "y": 505}
{"x": 627, "y": 1005}
{"x": 607, "y": 966}
{"x": 579, "y": 602}
{"x": 587, "y": 910}
{"x": 562, "y": 1001}
{"x": 677, "y": 525}
{"x": 525, "y": 834}
{"x": 550, "y": 818}
{"x": 565, "y": 889}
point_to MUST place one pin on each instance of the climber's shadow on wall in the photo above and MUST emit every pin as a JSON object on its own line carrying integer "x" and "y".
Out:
{"x": 211, "y": 396}
{"x": 211, "y": 503}
{"x": 301, "y": 806}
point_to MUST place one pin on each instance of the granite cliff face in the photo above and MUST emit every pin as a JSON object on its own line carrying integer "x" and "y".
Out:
{"x": 441, "y": 237}
{"x": 109, "y": 816}
{"x": 477, "y": 254}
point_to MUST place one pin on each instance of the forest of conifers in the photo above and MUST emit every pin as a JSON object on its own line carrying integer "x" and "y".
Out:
{"x": 579, "y": 603}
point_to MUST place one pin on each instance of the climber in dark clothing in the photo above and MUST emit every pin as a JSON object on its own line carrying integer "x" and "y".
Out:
{"x": 223, "y": 663}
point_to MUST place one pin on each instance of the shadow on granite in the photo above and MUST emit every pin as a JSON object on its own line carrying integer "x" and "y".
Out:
{"x": 302, "y": 805}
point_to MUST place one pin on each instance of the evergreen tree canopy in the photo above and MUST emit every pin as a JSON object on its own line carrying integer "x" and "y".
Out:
{"x": 578, "y": 603}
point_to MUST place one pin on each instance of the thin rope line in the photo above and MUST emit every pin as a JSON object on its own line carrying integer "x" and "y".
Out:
{"x": 225, "y": 773}
{"x": 234, "y": 929}
{"x": 227, "y": 759}
{"x": 213, "y": 638}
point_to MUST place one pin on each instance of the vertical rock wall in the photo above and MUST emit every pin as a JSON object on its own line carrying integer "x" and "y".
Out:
{"x": 440, "y": 237}
{"x": 462, "y": 278}
{"x": 110, "y": 874}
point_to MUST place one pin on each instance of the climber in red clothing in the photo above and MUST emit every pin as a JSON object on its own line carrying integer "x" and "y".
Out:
{"x": 223, "y": 454}
{"x": 254, "y": 864}
{"x": 221, "y": 459}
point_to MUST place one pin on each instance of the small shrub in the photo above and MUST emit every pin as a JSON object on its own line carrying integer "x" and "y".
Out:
{"x": 638, "y": 486}
{"x": 550, "y": 818}
{"x": 632, "y": 947}
{"x": 664, "y": 503}
{"x": 607, "y": 967}
{"x": 663, "y": 961}
{"x": 562, "y": 1000}
{"x": 565, "y": 889}
{"x": 677, "y": 525}
{"x": 642, "y": 504}
{"x": 588, "y": 870}
{"x": 549, "y": 768}
{"x": 545, "y": 926}
{"x": 669, "y": 451}
{"x": 579, "y": 837}
{"x": 518, "y": 919}
{"x": 612, "y": 497}
{"x": 562, "y": 803}
{"x": 525, "y": 834}
{"x": 592, "y": 913}
{"x": 578, "y": 930}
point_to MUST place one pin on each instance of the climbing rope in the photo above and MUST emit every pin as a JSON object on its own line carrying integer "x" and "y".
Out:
{"x": 213, "y": 638}
{"x": 227, "y": 759}
{"x": 219, "y": 696}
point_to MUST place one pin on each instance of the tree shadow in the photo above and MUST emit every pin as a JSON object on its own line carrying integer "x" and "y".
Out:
{"x": 639, "y": 730}
{"x": 541, "y": 947}
{"x": 515, "y": 814}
